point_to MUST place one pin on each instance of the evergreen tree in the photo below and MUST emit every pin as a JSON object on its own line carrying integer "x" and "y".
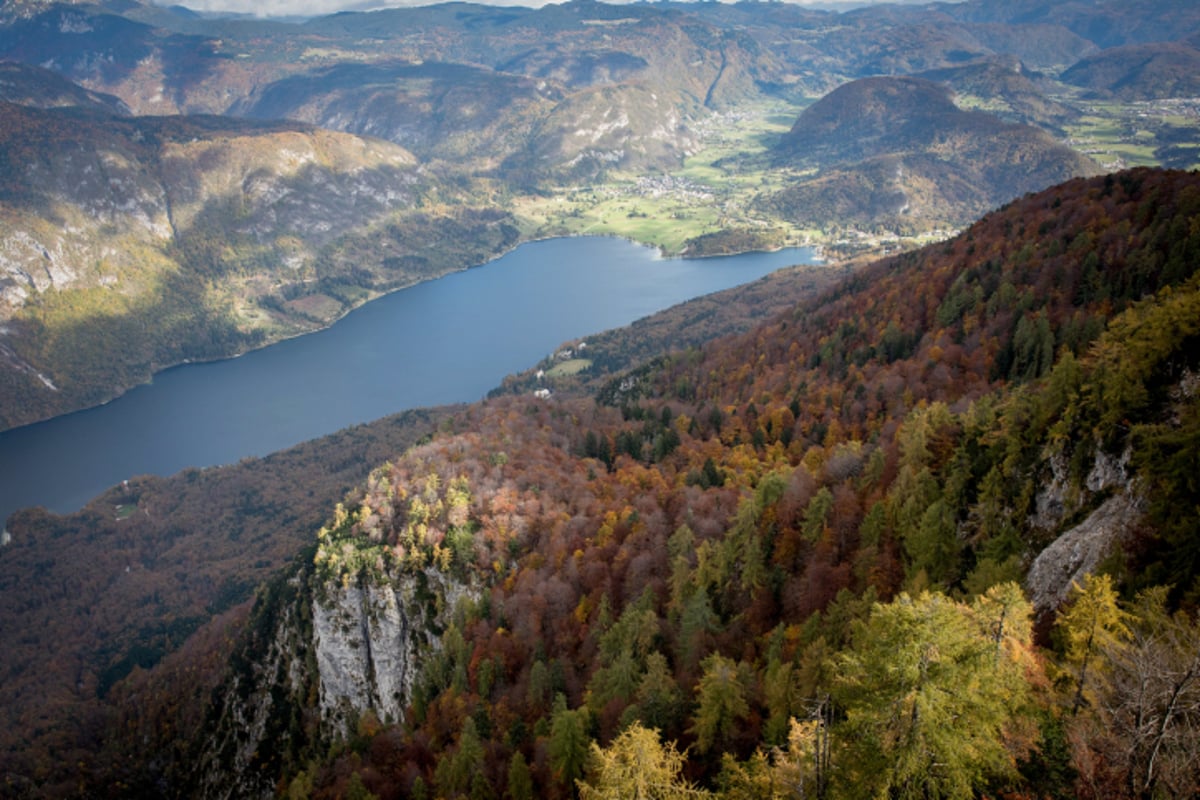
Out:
{"x": 569, "y": 741}
{"x": 721, "y": 702}
{"x": 1092, "y": 621}
{"x": 520, "y": 781}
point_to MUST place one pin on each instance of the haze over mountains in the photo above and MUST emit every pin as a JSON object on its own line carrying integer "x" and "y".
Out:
{"x": 700, "y": 554}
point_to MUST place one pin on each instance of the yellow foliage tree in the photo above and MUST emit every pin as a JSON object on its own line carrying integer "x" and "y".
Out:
{"x": 637, "y": 766}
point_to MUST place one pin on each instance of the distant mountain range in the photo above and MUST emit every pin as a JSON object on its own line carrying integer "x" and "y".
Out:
{"x": 890, "y": 148}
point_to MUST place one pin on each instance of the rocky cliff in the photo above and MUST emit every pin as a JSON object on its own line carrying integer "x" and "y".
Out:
{"x": 370, "y": 638}
{"x": 1108, "y": 502}
{"x": 322, "y": 656}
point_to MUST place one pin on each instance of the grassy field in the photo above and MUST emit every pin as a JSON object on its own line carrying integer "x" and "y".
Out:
{"x": 1119, "y": 135}
{"x": 568, "y": 368}
{"x": 711, "y": 191}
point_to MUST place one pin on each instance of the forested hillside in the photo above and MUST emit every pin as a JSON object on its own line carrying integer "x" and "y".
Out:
{"x": 798, "y": 562}
{"x": 898, "y": 153}
{"x": 161, "y": 559}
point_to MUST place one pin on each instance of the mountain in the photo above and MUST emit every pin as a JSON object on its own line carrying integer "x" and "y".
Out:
{"x": 1139, "y": 72}
{"x": 895, "y": 40}
{"x": 870, "y": 117}
{"x": 889, "y": 148}
{"x": 447, "y": 111}
{"x": 1106, "y": 23}
{"x": 21, "y": 84}
{"x": 560, "y": 92}
{"x": 1038, "y": 46}
{"x": 347, "y": 64}
{"x": 158, "y": 61}
{"x": 1005, "y": 88}
{"x": 133, "y": 243}
{"x": 149, "y": 68}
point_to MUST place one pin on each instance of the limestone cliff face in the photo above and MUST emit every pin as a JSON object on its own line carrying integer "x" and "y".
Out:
{"x": 319, "y": 655}
{"x": 369, "y": 641}
{"x": 1079, "y": 549}
{"x": 1078, "y": 552}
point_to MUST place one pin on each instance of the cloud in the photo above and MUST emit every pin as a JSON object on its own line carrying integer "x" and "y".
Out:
{"x": 313, "y": 8}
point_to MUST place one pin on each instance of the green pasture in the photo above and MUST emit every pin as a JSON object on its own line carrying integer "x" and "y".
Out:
{"x": 565, "y": 369}
{"x": 1128, "y": 134}
{"x": 712, "y": 190}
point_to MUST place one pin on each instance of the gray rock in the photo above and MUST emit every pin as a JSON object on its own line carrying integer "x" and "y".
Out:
{"x": 1078, "y": 551}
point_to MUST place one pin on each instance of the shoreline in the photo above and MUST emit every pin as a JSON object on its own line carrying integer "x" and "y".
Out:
{"x": 818, "y": 251}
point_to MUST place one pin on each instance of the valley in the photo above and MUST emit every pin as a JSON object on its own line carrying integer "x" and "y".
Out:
{"x": 448, "y": 340}
{"x": 711, "y": 192}
{"x": 442, "y": 136}
{"x": 916, "y": 521}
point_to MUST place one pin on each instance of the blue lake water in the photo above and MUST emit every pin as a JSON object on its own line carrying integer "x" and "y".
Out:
{"x": 444, "y": 341}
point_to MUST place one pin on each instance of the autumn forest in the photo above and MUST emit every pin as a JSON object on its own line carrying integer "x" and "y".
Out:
{"x": 828, "y": 557}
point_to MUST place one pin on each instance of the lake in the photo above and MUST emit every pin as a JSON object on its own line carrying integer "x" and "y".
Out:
{"x": 444, "y": 341}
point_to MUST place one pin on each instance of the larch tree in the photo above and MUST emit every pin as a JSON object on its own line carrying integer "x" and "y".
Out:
{"x": 637, "y": 766}
{"x": 569, "y": 741}
{"x": 799, "y": 770}
{"x": 1092, "y": 621}
{"x": 930, "y": 697}
{"x": 721, "y": 702}
{"x": 520, "y": 780}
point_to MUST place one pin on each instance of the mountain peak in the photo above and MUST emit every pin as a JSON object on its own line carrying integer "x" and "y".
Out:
{"x": 869, "y": 116}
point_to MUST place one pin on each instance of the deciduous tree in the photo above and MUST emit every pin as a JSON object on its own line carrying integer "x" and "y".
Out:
{"x": 637, "y": 766}
{"x": 931, "y": 689}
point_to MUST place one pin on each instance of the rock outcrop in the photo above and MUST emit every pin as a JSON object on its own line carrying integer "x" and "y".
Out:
{"x": 1077, "y": 552}
{"x": 354, "y": 647}
{"x": 369, "y": 641}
